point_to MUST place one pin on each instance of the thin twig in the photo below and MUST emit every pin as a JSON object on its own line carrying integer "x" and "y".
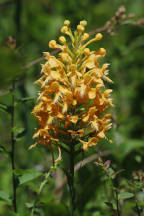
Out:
{"x": 13, "y": 148}
{"x": 39, "y": 59}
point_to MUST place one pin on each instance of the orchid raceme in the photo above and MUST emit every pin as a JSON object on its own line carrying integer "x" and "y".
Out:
{"x": 73, "y": 99}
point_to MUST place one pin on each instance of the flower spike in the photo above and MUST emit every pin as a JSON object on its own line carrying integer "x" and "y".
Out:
{"x": 73, "y": 97}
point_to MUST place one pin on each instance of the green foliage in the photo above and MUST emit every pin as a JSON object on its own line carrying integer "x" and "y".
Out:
{"x": 54, "y": 209}
{"x": 5, "y": 197}
{"x": 25, "y": 176}
{"x": 10, "y": 67}
{"x": 125, "y": 195}
{"x": 39, "y": 22}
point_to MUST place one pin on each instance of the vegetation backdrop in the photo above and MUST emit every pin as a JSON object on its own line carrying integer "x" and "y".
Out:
{"x": 26, "y": 27}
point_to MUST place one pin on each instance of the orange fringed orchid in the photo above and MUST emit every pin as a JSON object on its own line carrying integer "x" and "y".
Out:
{"x": 73, "y": 98}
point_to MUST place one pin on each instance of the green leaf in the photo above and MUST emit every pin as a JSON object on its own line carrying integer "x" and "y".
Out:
{"x": 19, "y": 172}
{"x": 109, "y": 205}
{"x": 5, "y": 197}
{"x": 19, "y": 132}
{"x": 3, "y": 151}
{"x": 10, "y": 67}
{"x": 29, "y": 176}
{"x": 138, "y": 158}
{"x": 29, "y": 205}
{"x": 26, "y": 99}
{"x": 125, "y": 195}
{"x": 5, "y": 108}
{"x": 133, "y": 144}
{"x": 116, "y": 173}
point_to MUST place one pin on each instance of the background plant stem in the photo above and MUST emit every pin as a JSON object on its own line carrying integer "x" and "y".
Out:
{"x": 13, "y": 148}
{"x": 117, "y": 203}
{"x": 70, "y": 178}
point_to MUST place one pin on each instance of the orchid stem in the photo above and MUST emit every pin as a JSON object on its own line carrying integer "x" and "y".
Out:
{"x": 70, "y": 178}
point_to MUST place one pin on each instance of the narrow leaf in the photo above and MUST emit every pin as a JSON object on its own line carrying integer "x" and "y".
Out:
{"x": 5, "y": 108}
{"x": 125, "y": 195}
{"x": 26, "y": 99}
{"x": 29, "y": 176}
{"x": 5, "y": 197}
{"x": 3, "y": 151}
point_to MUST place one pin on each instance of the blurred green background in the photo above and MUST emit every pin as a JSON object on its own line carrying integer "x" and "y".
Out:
{"x": 33, "y": 23}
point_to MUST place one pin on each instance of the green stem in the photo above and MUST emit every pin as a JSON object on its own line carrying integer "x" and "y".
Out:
{"x": 137, "y": 207}
{"x": 136, "y": 200}
{"x": 115, "y": 196}
{"x": 18, "y": 8}
{"x": 117, "y": 204}
{"x": 13, "y": 148}
{"x": 70, "y": 178}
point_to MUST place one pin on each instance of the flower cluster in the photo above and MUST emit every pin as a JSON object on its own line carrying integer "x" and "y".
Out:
{"x": 73, "y": 97}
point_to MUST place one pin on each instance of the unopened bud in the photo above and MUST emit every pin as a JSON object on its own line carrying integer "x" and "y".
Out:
{"x": 66, "y": 22}
{"x": 98, "y": 36}
{"x": 102, "y": 52}
{"x": 122, "y": 9}
{"x": 64, "y": 29}
{"x": 80, "y": 28}
{"x": 86, "y": 51}
{"x": 85, "y": 36}
{"x": 52, "y": 44}
{"x": 62, "y": 39}
{"x": 83, "y": 23}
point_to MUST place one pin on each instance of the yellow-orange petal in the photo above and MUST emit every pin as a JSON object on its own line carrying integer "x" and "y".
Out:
{"x": 94, "y": 125}
{"x": 74, "y": 102}
{"x": 73, "y": 119}
{"x": 86, "y": 118}
{"x": 80, "y": 132}
{"x": 52, "y": 62}
{"x": 107, "y": 92}
{"x": 85, "y": 145}
{"x": 32, "y": 146}
{"x": 65, "y": 107}
{"x": 50, "y": 119}
{"x": 93, "y": 141}
{"x": 92, "y": 93}
{"x": 60, "y": 115}
{"x": 101, "y": 135}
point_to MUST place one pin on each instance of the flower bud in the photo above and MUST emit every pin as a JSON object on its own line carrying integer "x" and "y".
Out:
{"x": 80, "y": 28}
{"x": 85, "y": 36}
{"x": 62, "y": 40}
{"x": 83, "y": 23}
{"x": 66, "y": 22}
{"x": 102, "y": 52}
{"x": 98, "y": 36}
{"x": 86, "y": 51}
{"x": 64, "y": 29}
{"x": 52, "y": 44}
